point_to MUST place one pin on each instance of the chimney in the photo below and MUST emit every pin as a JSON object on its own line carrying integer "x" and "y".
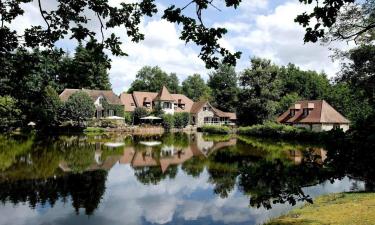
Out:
{"x": 310, "y": 105}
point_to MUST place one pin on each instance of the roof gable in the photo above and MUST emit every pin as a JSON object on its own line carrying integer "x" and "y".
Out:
{"x": 164, "y": 95}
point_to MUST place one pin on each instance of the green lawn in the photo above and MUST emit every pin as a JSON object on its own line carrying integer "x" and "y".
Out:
{"x": 333, "y": 209}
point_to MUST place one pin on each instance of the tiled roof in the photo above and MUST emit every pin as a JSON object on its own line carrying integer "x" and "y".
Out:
{"x": 164, "y": 95}
{"x": 141, "y": 96}
{"x": 319, "y": 112}
{"x": 197, "y": 106}
{"x": 109, "y": 95}
{"x": 128, "y": 101}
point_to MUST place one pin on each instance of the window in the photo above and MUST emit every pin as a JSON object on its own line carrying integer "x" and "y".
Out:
{"x": 132, "y": 104}
{"x": 336, "y": 126}
{"x": 167, "y": 105}
{"x": 111, "y": 112}
{"x": 306, "y": 112}
{"x": 292, "y": 112}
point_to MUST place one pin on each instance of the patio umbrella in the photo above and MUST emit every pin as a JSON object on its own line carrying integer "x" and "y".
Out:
{"x": 115, "y": 118}
{"x": 150, "y": 118}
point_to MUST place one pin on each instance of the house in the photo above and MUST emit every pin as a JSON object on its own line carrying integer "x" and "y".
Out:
{"x": 106, "y": 102}
{"x": 316, "y": 115}
{"x": 202, "y": 112}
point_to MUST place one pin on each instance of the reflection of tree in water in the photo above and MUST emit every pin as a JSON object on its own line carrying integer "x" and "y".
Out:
{"x": 194, "y": 166}
{"x": 274, "y": 181}
{"x": 154, "y": 174}
{"x": 353, "y": 156}
{"x": 85, "y": 189}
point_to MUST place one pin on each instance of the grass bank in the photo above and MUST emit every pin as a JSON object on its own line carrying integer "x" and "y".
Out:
{"x": 333, "y": 209}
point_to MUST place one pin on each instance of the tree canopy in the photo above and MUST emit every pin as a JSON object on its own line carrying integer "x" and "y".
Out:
{"x": 195, "y": 88}
{"x": 223, "y": 83}
{"x": 338, "y": 20}
{"x": 68, "y": 19}
{"x": 153, "y": 79}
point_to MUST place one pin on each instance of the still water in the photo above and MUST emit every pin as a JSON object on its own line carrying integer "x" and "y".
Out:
{"x": 166, "y": 179}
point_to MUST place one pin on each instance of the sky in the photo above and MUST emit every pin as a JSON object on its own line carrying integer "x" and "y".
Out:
{"x": 261, "y": 28}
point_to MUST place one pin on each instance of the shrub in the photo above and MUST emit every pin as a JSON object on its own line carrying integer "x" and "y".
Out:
{"x": 275, "y": 130}
{"x": 50, "y": 108}
{"x": 79, "y": 107}
{"x": 128, "y": 116}
{"x": 212, "y": 129}
{"x": 168, "y": 121}
{"x": 9, "y": 113}
{"x": 181, "y": 120}
{"x": 108, "y": 123}
{"x": 94, "y": 130}
{"x": 138, "y": 113}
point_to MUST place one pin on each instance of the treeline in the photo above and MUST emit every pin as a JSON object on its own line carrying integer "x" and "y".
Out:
{"x": 30, "y": 81}
{"x": 264, "y": 90}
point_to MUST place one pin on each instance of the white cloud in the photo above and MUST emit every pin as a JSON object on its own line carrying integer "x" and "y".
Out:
{"x": 276, "y": 36}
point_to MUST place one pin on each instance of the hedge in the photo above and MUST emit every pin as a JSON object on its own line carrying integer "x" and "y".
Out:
{"x": 212, "y": 129}
{"x": 275, "y": 130}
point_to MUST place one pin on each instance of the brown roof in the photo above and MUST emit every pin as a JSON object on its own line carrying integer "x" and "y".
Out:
{"x": 184, "y": 100}
{"x": 109, "y": 95}
{"x": 319, "y": 112}
{"x": 141, "y": 96}
{"x": 164, "y": 95}
{"x": 197, "y": 106}
{"x": 128, "y": 101}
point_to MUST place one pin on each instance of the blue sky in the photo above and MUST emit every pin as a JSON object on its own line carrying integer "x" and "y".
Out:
{"x": 261, "y": 28}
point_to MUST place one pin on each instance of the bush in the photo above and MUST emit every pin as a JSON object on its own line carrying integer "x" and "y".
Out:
{"x": 128, "y": 116}
{"x": 79, "y": 107}
{"x": 212, "y": 129}
{"x": 181, "y": 120}
{"x": 108, "y": 123}
{"x": 9, "y": 113}
{"x": 168, "y": 121}
{"x": 94, "y": 130}
{"x": 138, "y": 113}
{"x": 50, "y": 108}
{"x": 275, "y": 130}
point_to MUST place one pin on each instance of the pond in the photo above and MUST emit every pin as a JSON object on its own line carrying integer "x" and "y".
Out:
{"x": 164, "y": 179}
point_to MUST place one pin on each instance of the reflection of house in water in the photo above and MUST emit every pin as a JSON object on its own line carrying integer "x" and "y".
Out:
{"x": 319, "y": 155}
{"x": 97, "y": 163}
{"x": 172, "y": 155}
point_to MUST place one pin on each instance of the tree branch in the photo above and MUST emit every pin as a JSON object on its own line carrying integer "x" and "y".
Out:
{"x": 42, "y": 13}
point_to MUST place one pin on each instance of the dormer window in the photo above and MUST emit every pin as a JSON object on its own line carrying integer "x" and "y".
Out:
{"x": 306, "y": 112}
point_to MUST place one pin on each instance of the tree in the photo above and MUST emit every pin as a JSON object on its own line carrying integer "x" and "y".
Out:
{"x": 50, "y": 108}
{"x": 260, "y": 90}
{"x": 153, "y": 79}
{"x": 358, "y": 73}
{"x": 307, "y": 84}
{"x": 223, "y": 83}
{"x": 168, "y": 122}
{"x": 9, "y": 113}
{"x": 70, "y": 20}
{"x": 345, "y": 20}
{"x": 195, "y": 88}
{"x": 87, "y": 69}
{"x": 286, "y": 101}
{"x": 181, "y": 120}
{"x": 138, "y": 113}
{"x": 26, "y": 81}
{"x": 79, "y": 107}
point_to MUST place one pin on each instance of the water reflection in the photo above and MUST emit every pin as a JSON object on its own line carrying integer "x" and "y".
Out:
{"x": 177, "y": 178}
